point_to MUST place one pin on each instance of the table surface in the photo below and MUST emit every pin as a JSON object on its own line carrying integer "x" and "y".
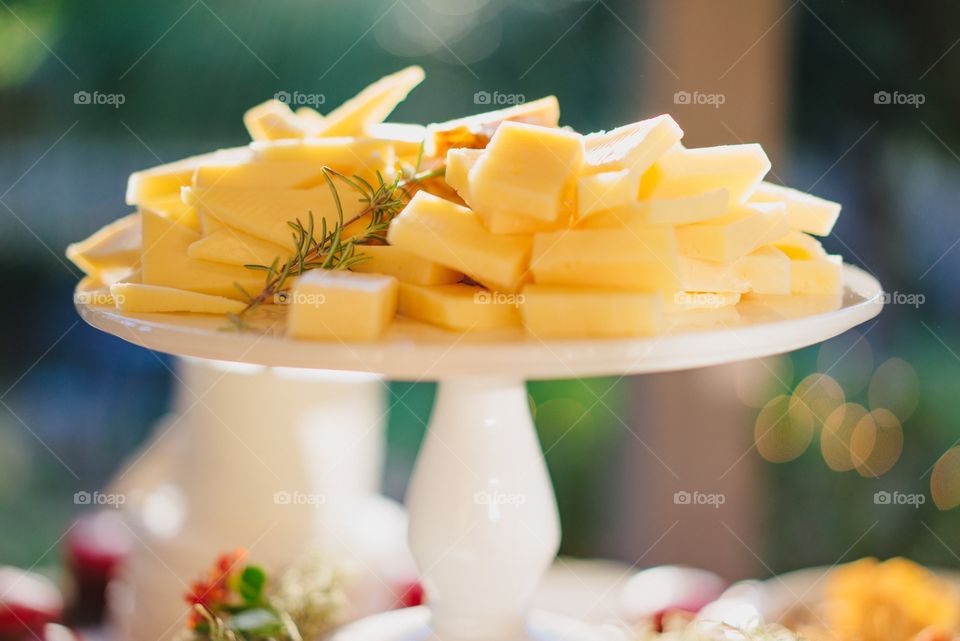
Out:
{"x": 410, "y": 350}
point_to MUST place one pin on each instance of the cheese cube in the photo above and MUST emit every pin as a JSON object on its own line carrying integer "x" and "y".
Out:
{"x": 606, "y": 190}
{"x": 459, "y": 307}
{"x": 273, "y": 120}
{"x": 796, "y": 244}
{"x": 341, "y": 305}
{"x": 638, "y": 258}
{"x": 459, "y": 163}
{"x": 736, "y": 234}
{"x": 233, "y": 247}
{"x": 805, "y": 212}
{"x": 404, "y": 266}
{"x": 284, "y": 174}
{"x": 135, "y": 297}
{"x": 370, "y": 106}
{"x": 453, "y": 236}
{"x": 550, "y": 311}
{"x": 688, "y": 172}
{"x": 766, "y": 269}
{"x": 165, "y": 262}
{"x": 265, "y": 213}
{"x": 708, "y": 276}
{"x": 527, "y": 171}
{"x": 663, "y": 211}
{"x": 166, "y": 180}
{"x": 635, "y": 147}
{"x": 110, "y": 253}
{"x": 475, "y": 131}
{"x": 820, "y": 276}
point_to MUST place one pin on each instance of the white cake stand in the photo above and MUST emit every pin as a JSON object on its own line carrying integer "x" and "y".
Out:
{"x": 483, "y": 517}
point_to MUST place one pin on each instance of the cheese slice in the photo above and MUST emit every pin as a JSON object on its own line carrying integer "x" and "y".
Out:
{"x": 453, "y": 236}
{"x": 766, "y": 269}
{"x": 310, "y": 118}
{"x": 341, "y": 305}
{"x": 635, "y": 146}
{"x": 637, "y": 258}
{"x": 459, "y": 163}
{"x": 734, "y": 235}
{"x": 283, "y": 174}
{"x": 372, "y": 105}
{"x": 135, "y": 297}
{"x": 404, "y": 266}
{"x": 111, "y": 252}
{"x": 265, "y": 213}
{"x": 273, "y": 120}
{"x": 459, "y": 307}
{"x": 605, "y": 191}
{"x": 688, "y": 172}
{"x": 805, "y": 212}
{"x": 708, "y": 276}
{"x": 818, "y": 276}
{"x": 663, "y": 211}
{"x": 407, "y": 139}
{"x": 797, "y": 244}
{"x": 165, "y": 262}
{"x": 166, "y": 180}
{"x": 476, "y": 131}
{"x": 173, "y": 207}
{"x": 550, "y": 311}
{"x": 91, "y": 291}
{"x": 233, "y": 247}
{"x": 528, "y": 171}
{"x": 364, "y": 156}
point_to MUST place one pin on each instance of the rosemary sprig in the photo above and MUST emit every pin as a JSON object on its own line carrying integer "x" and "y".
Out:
{"x": 328, "y": 249}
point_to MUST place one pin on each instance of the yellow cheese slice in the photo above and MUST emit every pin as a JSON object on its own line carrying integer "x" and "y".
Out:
{"x": 805, "y": 212}
{"x": 528, "y": 171}
{"x": 165, "y": 262}
{"x": 766, "y": 269}
{"x": 173, "y": 207}
{"x": 364, "y": 156}
{"x": 341, "y": 305}
{"x": 407, "y": 139}
{"x": 265, "y": 213}
{"x": 459, "y": 163}
{"x": 663, "y": 211}
{"x": 372, "y": 105}
{"x": 459, "y": 307}
{"x": 110, "y": 253}
{"x": 708, "y": 276}
{"x": 476, "y": 131}
{"x": 638, "y": 258}
{"x": 166, "y": 180}
{"x": 688, "y": 172}
{"x": 453, "y": 236}
{"x": 605, "y": 191}
{"x": 404, "y": 266}
{"x": 283, "y": 174}
{"x": 635, "y": 146}
{"x": 797, "y": 244}
{"x": 549, "y": 311}
{"x": 736, "y": 234}
{"x": 819, "y": 276}
{"x": 135, "y": 297}
{"x": 273, "y": 120}
{"x": 233, "y": 247}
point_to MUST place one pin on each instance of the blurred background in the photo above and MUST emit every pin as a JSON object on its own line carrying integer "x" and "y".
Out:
{"x": 854, "y": 101}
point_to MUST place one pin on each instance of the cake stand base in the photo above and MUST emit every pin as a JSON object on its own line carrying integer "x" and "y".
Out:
{"x": 413, "y": 624}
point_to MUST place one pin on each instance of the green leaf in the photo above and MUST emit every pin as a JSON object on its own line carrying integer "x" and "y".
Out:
{"x": 251, "y": 584}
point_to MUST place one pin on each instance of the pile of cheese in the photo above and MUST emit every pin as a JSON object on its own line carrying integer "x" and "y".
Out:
{"x": 534, "y": 226}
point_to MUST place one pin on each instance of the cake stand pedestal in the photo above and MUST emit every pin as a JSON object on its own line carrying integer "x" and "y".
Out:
{"x": 483, "y": 518}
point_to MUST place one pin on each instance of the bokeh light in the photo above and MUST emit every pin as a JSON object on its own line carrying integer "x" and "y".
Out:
{"x": 778, "y": 437}
{"x": 837, "y": 434}
{"x": 895, "y": 387}
{"x": 945, "y": 480}
{"x": 815, "y": 397}
{"x": 848, "y": 358}
{"x": 756, "y": 380}
{"x": 876, "y": 442}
